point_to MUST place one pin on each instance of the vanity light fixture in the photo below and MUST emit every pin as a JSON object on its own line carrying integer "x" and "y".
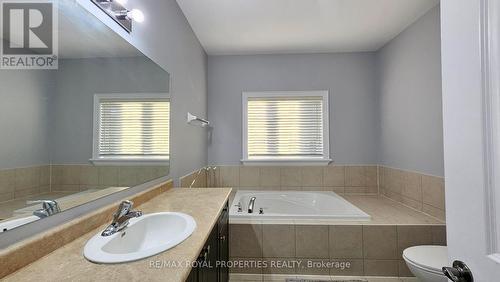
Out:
{"x": 117, "y": 11}
{"x": 134, "y": 14}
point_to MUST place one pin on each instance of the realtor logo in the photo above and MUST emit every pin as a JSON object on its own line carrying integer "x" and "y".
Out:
{"x": 29, "y": 35}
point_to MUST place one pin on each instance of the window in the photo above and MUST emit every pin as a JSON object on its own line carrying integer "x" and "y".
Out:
{"x": 131, "y": 128}
{"x": 285, "y": 127}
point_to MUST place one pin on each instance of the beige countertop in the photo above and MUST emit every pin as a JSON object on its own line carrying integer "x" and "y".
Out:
{"x": 68, "y": 264}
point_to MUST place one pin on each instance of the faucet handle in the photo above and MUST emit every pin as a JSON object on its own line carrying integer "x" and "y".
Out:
{"x": 124, "y": 208}
{"x": 50, "y": 205}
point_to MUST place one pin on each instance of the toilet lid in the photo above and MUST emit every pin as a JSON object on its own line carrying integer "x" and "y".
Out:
{"x": 431, "y": 258}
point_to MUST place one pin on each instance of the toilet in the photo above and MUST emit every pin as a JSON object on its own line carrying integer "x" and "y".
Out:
{"x": 425, "y": 262}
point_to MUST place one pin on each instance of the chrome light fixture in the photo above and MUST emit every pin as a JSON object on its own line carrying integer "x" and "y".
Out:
{"x": 116, "y": 10}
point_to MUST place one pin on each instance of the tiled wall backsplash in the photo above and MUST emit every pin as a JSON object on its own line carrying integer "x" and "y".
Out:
{"x": 419, "y": 191}
{"x": 83, "y": 177}
{"x": 340, "y": 179}
{"x": 22, "y": 182}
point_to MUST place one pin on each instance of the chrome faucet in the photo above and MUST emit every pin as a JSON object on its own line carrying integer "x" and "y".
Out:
{"x": 251, "y": 204}
{"x": 121, "y": 218}
{"x": 49, "y": 207}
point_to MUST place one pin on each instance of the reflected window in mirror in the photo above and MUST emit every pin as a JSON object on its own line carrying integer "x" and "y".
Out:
{"x": 131, "y": 128}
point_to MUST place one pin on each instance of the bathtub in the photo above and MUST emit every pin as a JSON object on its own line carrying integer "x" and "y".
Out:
{"x": 294, "y": 205}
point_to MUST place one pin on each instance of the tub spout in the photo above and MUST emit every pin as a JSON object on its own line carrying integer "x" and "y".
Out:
{"x": 251, "y": 204}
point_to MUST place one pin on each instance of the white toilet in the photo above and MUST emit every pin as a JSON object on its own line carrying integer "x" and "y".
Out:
{"x": 425, "y": 262}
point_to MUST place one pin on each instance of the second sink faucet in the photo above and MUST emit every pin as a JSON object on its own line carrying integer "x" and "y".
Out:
{"x": 121, "y": 218}
{"x": 49, "y": 207}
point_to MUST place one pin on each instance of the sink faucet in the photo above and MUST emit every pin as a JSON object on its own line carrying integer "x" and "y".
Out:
{"x": 49, "y": 207}
{"x": 121, "y": 218}
{"x": 251, "y": 204}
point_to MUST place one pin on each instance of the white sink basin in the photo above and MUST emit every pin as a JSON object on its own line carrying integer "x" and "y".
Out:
{"x": 145, "y": 236}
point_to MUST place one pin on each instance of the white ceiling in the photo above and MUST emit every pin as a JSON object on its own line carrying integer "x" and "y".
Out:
{"x": 299, "y": 26}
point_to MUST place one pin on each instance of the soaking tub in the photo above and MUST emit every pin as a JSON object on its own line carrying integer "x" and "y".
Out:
{"x": 294, "y": 205}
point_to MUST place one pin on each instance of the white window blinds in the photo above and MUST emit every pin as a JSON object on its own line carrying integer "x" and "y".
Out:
{"x": 134, "y": 128}
{"x": 285, "y": 127}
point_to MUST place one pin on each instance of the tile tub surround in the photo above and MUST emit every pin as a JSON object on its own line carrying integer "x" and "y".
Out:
{"x": 83, "y": 177}
{"x": 339, "y": 250}
{"x": 27, "y": 251}
{"x": 196, "y": 179}
{"x": 422, "y": 192}
{"x": 55, "y": 181}
{"x": 18, "y": 183}
{"x": 236, "y": 277}
{"x": 68, "y": 263}
{"x": 337, "y": 178}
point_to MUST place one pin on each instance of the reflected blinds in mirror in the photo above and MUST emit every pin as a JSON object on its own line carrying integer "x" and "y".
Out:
{"x": 285, "y": 127}
{"x": 134, "y": 128}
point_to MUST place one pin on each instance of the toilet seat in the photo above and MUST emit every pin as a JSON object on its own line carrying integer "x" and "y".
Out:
{"x": 428, "y": 258}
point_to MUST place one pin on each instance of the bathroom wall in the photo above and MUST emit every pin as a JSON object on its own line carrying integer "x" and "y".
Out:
{"x": 337, "y": 178}
{"x": 72, "y": 104}
{"x": 350, "y": 79}
{"x": 416, "y": 190}
{"x": 411, "y": 123}
{"x": 385, "y": 107}
{"x": 167, "y": 38}
{"x": 24, "y": 110}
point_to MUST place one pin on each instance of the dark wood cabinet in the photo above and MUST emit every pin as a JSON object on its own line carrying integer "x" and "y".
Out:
{"x": 210, "y": 264}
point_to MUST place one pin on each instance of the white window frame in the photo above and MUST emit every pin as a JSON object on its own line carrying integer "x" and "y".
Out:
{"x": 284, "y": 161}
{"x": 136, "y": 161}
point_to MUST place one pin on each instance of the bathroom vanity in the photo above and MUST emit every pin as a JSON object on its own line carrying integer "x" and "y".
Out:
{"x": 207, "y": 206}
{"x": 215, "y": 250}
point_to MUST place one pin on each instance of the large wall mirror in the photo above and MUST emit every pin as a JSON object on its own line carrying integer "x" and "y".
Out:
{"x": 96, "y": 125}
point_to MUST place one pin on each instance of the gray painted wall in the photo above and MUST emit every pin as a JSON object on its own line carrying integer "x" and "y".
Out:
{"x": 24, "y": 118}
{"x": 411, "y": 123}
{"x": 349, "y": 77}
{"x": 72, "y": 108}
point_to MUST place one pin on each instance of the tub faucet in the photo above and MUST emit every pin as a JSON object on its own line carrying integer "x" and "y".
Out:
{"x": 49, "y": 207}
{"x": 121, "y": 218}
{"x": 251, "y": 204}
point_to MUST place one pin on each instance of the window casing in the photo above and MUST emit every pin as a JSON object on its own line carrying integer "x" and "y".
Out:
{"x": 286, "y": 127}
{"x": 131, "y": 129}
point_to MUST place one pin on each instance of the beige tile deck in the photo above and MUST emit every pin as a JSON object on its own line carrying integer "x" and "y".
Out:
{"x": 386, "y": 211}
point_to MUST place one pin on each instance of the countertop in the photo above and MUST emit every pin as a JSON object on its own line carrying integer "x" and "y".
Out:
{"x": 68, "y": 264}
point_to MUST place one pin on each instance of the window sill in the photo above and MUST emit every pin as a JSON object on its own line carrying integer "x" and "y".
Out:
{"x": 286, "y": 162}
{"x": 129, "y": 162}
